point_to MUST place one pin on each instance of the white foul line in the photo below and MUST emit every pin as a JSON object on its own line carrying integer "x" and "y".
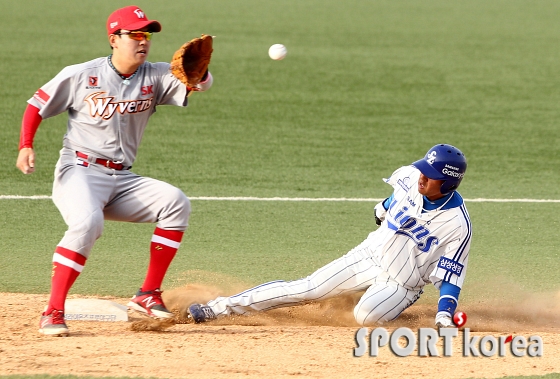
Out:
{"x": 324, "y": 199}
{"x": 17, "y": 197}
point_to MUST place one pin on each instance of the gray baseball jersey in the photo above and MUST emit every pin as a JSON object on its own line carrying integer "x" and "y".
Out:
{"x": 107, "y": 117}
{"x": 411, "y": 248}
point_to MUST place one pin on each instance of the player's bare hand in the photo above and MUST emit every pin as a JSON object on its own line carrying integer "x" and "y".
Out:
{"x": 26, "y": 160}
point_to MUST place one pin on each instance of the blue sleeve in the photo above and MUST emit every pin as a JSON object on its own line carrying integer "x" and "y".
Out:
{"x": 448, "y": 298}
{"x": 387, "y": 201}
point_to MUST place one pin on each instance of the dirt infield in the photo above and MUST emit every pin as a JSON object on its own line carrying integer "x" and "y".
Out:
{"x": 314, "y": 340}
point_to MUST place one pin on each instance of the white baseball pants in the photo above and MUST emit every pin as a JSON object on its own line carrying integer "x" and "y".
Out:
{"x": 384, "y": 299}
{"x": 86, "y": 196}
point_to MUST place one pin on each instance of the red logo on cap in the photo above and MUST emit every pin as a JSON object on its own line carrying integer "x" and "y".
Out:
{"x": 131, "y": 18}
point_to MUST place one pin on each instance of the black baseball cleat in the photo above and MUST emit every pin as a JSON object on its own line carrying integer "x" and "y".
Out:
{"x": 201, "y": 313}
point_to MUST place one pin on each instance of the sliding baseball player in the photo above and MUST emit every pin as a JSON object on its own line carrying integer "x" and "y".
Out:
{"x": 424, "y": 237}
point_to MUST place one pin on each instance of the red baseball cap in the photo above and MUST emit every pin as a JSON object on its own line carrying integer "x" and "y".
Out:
{"x": 130, "y": 18}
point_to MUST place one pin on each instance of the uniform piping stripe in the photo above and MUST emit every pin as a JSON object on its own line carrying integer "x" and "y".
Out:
{"x": 396, "y": 254}
{"x": 407, "y": 279}
{"x": 460, "y": 250}
{"x": 448, "y": 221}
{"x": 57, "y": 258}
{"x": 387, "y": 298}
{"x": 464, "y": 244}
{"x": 310, "y": 290}
{"x": 431, "y": 263}
{"x": 467, "y": 239}
{"x": 405, "y": 264}
{"x": 300, "y": 293}
{"x": 397, "y": 305}
{"x": 428, "y": 269}
{"x": 165, "y": 241}
{"x": 262, "y": 285}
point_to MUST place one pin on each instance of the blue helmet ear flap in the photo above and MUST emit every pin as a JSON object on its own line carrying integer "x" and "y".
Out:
{"x": 447, "y": 187}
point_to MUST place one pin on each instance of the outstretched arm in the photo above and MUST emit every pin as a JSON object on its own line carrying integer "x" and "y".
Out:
{"x": 29, "y": 125}
{"x": 448, "y": 299}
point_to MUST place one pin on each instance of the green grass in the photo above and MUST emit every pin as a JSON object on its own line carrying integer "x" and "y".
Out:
{"x": 262, "y": 241}
{"x": 366, "y": 87}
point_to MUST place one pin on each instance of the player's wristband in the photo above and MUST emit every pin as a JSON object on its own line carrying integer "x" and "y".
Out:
{"x": 204, "y": 77}
{"x": 449, "y": 297}
{"x": 447, "y": 304}
{"x": 206, "y": 83}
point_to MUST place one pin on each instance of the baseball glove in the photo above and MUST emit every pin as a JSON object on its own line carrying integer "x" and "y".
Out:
{"x": 190, "y": 62}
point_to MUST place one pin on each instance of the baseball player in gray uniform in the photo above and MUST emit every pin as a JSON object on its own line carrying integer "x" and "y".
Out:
{"x": 424, "y": 237}
{"x": 109, "y": 101}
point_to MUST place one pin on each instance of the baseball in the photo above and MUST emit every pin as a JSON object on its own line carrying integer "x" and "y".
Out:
{"x": 277, "y": 51}
{"x": 460, "y": 319}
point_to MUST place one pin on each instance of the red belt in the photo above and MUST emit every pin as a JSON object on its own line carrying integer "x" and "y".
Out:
{"x": 104, "y": 162}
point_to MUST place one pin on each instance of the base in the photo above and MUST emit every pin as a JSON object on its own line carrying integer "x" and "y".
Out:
{"x": 94, "y": 310}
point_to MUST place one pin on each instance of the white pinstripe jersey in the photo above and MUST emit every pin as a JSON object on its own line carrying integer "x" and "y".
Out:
{"x": 106, "y": 118}
{"x": 417, "y": 247}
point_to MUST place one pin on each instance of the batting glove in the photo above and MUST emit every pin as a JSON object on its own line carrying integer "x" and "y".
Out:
{"x": 379, "y": 212}
{"x": 444, "y": 320}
